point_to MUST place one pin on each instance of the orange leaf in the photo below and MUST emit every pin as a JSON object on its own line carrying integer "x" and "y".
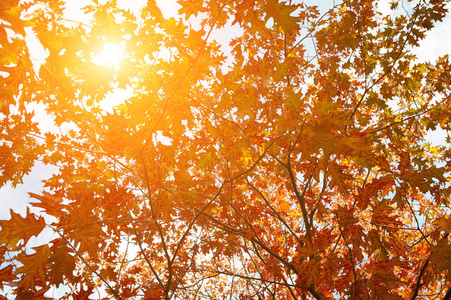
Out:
{"x": 63, "y": 263}
{"x": 6, "y": 275}
{"x": 18, "y": 228}
{"x": 34, "y": 267}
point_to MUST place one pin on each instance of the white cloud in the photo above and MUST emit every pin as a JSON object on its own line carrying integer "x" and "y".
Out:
{"x": 17, "y": 198}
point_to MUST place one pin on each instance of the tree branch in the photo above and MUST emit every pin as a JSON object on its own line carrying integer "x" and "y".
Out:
{"x": 390, "y": 68}
{"x": 447, "y": 295}
{"x": 278, "y": 216}
{"x": 108, "y": 286}
{"x": 418, "y": 283}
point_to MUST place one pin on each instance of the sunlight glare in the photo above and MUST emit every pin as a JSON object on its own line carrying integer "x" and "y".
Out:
{"x": 110, "y": 55}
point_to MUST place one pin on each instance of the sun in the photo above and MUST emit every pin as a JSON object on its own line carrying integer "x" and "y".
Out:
{"x": 111, "y": 55}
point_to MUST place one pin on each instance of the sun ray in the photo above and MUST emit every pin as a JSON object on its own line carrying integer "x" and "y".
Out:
{"x": 111, "y": 55}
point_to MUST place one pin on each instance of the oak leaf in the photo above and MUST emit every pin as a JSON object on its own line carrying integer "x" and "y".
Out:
{"x": 19, "y": 228}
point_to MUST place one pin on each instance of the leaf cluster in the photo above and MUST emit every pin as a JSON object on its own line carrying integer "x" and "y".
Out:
{"x": 290, "y": 162}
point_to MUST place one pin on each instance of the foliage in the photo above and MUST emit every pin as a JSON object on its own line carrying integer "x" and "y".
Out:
{"x": 290, "y": 163}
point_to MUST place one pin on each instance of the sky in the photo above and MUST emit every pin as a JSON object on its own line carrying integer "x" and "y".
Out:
{"x": 433, "y": 46}
{"x": 17, "y": 199}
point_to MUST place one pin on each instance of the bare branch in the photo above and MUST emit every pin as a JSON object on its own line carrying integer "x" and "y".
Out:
{"x": 107, "y": 285}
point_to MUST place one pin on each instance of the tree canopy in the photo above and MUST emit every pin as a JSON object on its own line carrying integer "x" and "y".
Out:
{"x": 289, "y": 161}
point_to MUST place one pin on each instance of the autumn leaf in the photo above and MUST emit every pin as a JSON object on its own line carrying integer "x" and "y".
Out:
{"x": 18, "y": 228}
{"x": 281, "y": 14}
{"x": 441, "y": 256}
{"x": 51, "y": 204}
{"x": 6, "y": 275}
{"x": 339, "y": 178}
{"x": 62, "y": 262}
{"x": 34, "y": 267}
